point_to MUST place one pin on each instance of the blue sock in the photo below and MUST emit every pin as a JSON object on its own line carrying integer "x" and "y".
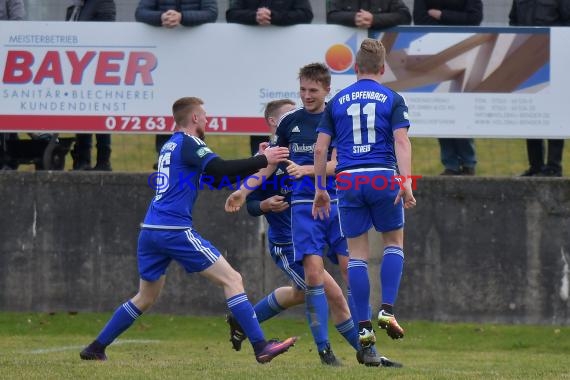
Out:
{"x": 360, "y": 286}
{"x": 121, "y": 320}
{"x": 317, "y": 310}
{"x": 242, "y": 310}
{"x": 391, "y": 273}
{"x": 267, "y": 308}
{"x": 352, "y": 308}
{"x": 349, "y": 331}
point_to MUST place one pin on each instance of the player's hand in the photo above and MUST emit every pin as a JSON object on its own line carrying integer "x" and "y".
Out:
{"x": 321, "y": 205}
{"x": 276, "y": 154}
{"x": 262, "y": 146}
{"x": 294, "y": 170}
{"x": 276, "y": 203}
{"x": 234, "y": 201}
{"x": 406, "y": 194}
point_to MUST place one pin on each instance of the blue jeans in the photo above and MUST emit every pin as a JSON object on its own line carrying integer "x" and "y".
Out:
{"x": 457, "y": 153}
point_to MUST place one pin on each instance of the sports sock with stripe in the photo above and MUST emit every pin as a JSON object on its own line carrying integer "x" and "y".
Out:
{"x": 360, "y": 286}
{"x": 391, "y": 273}
{"x": 317, "y": 311}
{"x": 242, "y": 310}
{"x": 348, "y": 330}
{"x": 121, "y": 320}
{"x": 267, "y": 308}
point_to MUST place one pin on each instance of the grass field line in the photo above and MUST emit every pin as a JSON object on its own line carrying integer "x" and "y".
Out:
{"x": 70, "y": 348}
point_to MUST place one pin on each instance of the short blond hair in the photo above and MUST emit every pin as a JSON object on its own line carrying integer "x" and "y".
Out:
{"x": 273, "y": 106}
{"x": 370, "y": 57}
{"x": 183, "y": 107}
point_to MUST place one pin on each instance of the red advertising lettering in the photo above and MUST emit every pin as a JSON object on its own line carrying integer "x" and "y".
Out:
{"x": 54, "y": 65}
{"x": 17, "y": 70}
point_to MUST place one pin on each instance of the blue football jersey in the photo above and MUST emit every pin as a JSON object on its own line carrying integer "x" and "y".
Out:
{"x": 362, "y": 118}
{"x": 297, "y": 130}
{"x": 181, "y": 162}
{"x": 279, "y": 183}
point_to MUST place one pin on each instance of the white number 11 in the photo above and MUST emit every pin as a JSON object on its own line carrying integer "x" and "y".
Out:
{"x": 369, "y": 110}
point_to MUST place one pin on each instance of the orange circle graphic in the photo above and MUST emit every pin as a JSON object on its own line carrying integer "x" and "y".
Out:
{"x": 339, "y": 58}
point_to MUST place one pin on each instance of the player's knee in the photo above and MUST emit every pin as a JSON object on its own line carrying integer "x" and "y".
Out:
{"x": 144, "y": 301}
{"x": 234, "y": 280}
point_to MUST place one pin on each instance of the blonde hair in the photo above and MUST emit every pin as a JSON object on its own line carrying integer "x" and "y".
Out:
{"x": 183, "y": 107}
{"x": 370, "y": 57}
{"x": 274, "y": 105}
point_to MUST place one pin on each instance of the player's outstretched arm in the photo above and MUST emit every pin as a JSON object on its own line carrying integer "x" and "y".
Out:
{"x": 273, "y": 155}
{"x": 236, "y": 200}
{"x": 298, "y": 171}
{"x": 322, "y": 201}
{"x": 403, "y": 149}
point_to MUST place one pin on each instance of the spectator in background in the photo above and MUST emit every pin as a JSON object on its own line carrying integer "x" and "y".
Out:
{"x": 373, "y": 14}
{"x": 9, "y": 10}
{"x": 170, "y": 14}
{"x": 92, "y": 10}
{"x": 12, "y": 10}
{"x": 264, "y": 13}
{"x": 542, "y": 13}
{"x": 457, "y": 155}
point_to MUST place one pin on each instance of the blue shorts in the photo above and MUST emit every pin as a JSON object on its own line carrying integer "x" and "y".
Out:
{"x": 311, "y": 236}
{"x": 371, "y": 204}
{"x": 284, "y": 258}
{"x": 157, "y": 248}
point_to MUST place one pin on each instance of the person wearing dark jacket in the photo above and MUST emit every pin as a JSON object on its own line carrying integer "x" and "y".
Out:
{"x": 267, "y": 12}
{"x": 542, "y": 13}
{"x": 92, "y": 10}
{"x": 372, "y": 14}
{"x": 9, "y": 10}
{"x": 448, "y": 12}
{"x": 171, "y": 13}
{"x": 457, "y": 155}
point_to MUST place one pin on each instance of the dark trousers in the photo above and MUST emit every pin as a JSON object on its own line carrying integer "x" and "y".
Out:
{"x": 84, "y": 143}
{"x": 159, "y": 141}
{"x": 254, "y": 142}
{"x": 5, "y": 161}
{"x": 535, "y": 151}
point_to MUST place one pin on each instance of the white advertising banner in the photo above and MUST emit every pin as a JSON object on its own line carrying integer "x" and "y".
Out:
{"x": 481, "y": 82}
{"x": 124, "y": 77}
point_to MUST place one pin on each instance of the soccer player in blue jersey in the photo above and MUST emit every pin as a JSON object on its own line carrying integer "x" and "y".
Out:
{"x": 297, "y": 131}
{"x": 167, "y": 233}
{"x": 272, "y": 200}
{"x": 369, "y": 124}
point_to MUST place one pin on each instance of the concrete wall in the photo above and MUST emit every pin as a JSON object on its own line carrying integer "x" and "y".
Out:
{"x": 483, "y": 250}
{"x": 495, "y": 12}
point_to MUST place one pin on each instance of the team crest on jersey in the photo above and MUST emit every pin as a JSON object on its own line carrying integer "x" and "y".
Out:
{"x": 295, "y": 129}
{"x": 203, "y": 151}
{"x": 279, "y": 172}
